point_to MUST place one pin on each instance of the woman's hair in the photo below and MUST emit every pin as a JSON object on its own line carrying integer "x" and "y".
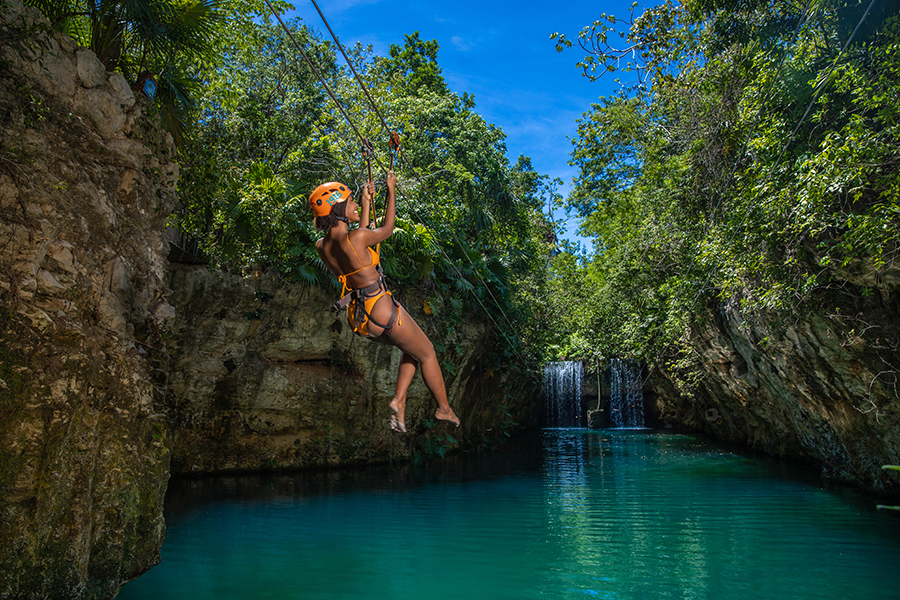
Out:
{"x": 330, "y": 220}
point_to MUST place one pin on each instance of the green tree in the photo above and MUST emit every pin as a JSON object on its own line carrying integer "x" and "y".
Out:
{"x": 752, "y": 157}
{"x": 131, "y": 36}
{"x": 416, "y": 65}
{"x": 261, "y": 142}
{"x": 470, "y": 229}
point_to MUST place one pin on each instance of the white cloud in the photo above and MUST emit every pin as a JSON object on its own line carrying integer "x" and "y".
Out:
{"x": 462, "y": 44}
{"x": 349, "y": 4}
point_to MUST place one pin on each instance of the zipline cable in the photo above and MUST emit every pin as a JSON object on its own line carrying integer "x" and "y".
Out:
{"x": 359, "y": 80}
{"x": 486, "y": 286}
{"x": 316, "y": 72}
{"x": 352, "y": 68}
{"x": 393, "y": 137}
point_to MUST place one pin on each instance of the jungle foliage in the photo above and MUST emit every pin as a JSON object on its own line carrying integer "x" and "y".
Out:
{"x": 749, "y": 158}
{"x": 470, "y": 232}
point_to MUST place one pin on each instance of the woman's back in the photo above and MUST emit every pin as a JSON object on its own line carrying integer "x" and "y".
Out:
{"x": 344, "y": 257}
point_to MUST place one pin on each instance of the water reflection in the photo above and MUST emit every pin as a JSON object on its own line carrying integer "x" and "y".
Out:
{"x": 564, "y": 514}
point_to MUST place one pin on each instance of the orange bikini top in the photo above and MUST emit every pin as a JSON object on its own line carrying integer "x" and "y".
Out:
{"x": 376, "y": 258}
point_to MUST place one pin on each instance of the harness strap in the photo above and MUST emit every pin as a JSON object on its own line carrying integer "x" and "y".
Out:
{"x": 347, "y": 298}
{"x": 360, "y": 295}
{"x": 387, "y": 327}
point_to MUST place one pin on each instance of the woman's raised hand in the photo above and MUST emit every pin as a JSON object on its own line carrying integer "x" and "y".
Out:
{"x": 391, "y": 181}
{"x": 368, "y": 192}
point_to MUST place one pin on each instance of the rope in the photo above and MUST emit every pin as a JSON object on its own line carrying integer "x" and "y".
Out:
{"x": 350, "y": 64}
{"x": 316, "y": 72}
{"x": 362, "y": 85}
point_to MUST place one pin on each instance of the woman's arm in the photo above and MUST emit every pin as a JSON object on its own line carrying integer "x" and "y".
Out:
{"x": 389, "y": 211}
{"x": 370, "y": 237}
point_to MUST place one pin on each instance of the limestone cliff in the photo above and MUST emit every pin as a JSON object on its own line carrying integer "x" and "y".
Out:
{"x": 266, "y": 376}
{"x": 85, "y": 186}
{"x": 821, "y": 387}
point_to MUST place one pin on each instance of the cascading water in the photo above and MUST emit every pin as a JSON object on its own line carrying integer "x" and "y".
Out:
{"x": 562, "y": 394}
{"x": 626, "y": 396}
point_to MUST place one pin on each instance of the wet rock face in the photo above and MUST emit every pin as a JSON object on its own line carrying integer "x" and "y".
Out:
{"x": 85, "y": 185}
{"x": 822, "y": 388}
{"x": 265, "y": 376}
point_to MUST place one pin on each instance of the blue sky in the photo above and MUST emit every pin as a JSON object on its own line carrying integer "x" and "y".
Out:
{"x": 501, "y": 53}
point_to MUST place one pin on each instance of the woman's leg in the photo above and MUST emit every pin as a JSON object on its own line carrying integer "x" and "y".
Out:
{"x": 398, "y": 405}
{"x": 417, "y": 348}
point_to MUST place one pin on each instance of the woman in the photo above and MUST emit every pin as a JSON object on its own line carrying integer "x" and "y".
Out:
{"x": 373, "y": 312}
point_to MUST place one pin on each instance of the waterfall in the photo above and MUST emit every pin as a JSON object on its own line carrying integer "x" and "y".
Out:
{"x": 562, "y": 394}
{"x": 626, "y": 397}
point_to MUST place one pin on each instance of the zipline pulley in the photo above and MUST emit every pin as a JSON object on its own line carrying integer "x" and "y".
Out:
{"x": 367, "y": 147}
{"x": 368, "y": 150}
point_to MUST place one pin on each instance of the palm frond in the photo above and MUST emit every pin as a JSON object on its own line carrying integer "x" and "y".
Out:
{"x": 483, "y": 220}
{"x": 463, "y": 285}
{"x": 194, "y": 25}
{"x": 308, "y": 275}
{"x": 176, "y": 90}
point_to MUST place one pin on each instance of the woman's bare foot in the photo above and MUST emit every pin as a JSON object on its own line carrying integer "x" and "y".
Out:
{"x": 398, "y": 416}
{"x": 447, "y": 415}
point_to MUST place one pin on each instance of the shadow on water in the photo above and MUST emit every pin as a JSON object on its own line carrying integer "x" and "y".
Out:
{"x": 521, "y": 454}
{"x": 677, "y": 456}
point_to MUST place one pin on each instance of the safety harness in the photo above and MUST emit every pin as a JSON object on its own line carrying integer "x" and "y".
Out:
{"x": 361, "y": 296}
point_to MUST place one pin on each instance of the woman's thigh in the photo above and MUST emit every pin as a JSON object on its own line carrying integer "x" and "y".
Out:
{"x": 406, "y": 334}
{"x": 380, "y": 314}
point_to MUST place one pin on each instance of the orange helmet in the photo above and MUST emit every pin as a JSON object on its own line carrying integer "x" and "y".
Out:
{"x": 327, "y": 195}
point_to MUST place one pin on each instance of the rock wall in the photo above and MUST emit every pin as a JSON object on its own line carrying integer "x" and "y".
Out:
{"x": 266, "y": 376}
{"x": 822, "y": 387}
{"x": 85, "y": 185}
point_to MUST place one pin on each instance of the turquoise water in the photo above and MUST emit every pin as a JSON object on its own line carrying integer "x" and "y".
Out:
{"x": 566, "y": 514}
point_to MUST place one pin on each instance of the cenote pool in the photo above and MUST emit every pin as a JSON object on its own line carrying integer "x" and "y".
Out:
{"x": 564, "y": 514}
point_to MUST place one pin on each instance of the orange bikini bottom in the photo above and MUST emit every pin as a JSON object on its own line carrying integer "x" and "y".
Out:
{"x": 359, "y": 310}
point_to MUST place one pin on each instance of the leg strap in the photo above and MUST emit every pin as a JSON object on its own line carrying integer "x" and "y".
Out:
{"x": 361, "y": 313}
